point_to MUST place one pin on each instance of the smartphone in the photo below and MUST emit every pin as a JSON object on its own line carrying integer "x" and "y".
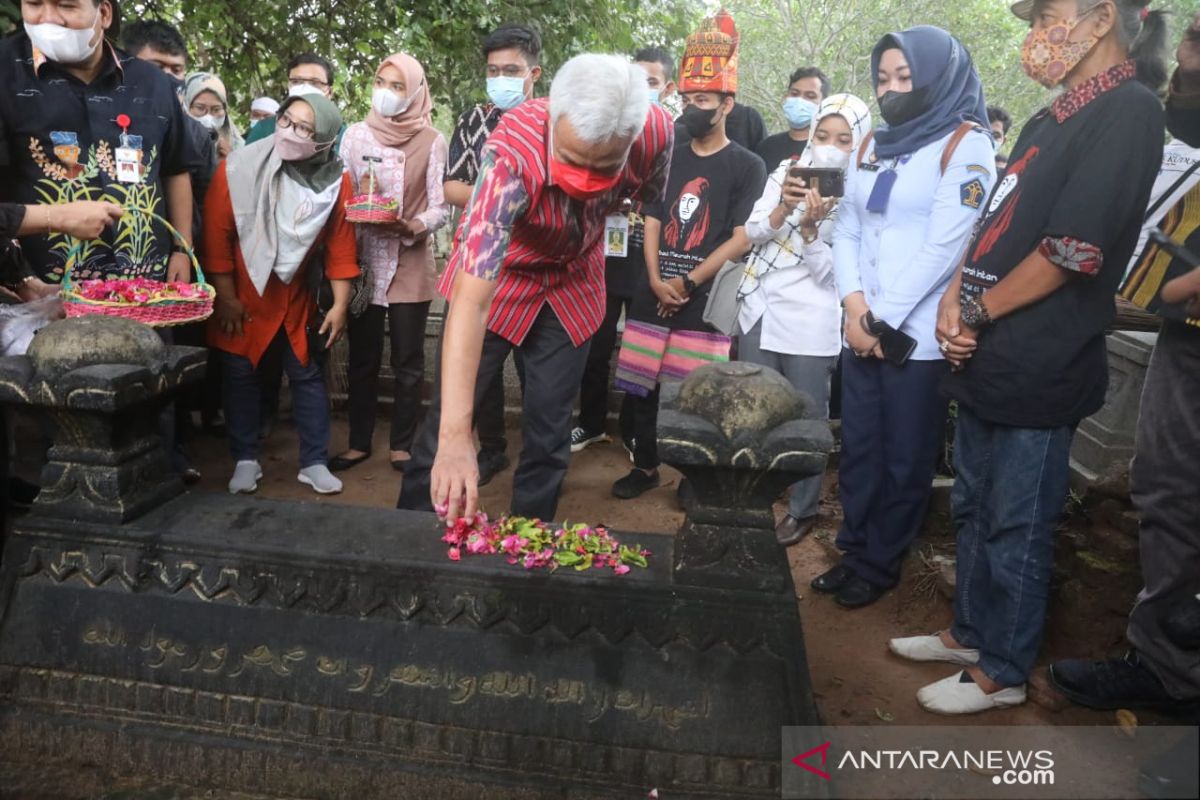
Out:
{"x": 897, "y": 347}
{"x": 827, "y": 181}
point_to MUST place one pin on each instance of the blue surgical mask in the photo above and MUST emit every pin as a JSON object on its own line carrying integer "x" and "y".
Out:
{"x": 799, "y": 112}
{"x": 506, "y": 93}
{"x": 655, "y": 100}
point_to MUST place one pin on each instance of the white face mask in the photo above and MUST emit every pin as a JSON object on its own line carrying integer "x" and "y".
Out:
{"x": 826, "y": 156}
{"x": 389, "y": 104}
{"x": 211, "y": 122}
{"x": 64, "y": 45}
{"x": 303, "y": 89}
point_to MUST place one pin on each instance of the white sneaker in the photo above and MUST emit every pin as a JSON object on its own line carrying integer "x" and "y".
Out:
{"x": 930, "y": 648}
{"x": 581, "y": 439}
{"x": 246, "y": 475}
{"x": 320, "y": 479}
{"x": 959, "y": 694}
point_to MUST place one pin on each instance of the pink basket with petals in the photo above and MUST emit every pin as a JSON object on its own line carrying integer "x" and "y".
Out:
{"x": 155, "y": 303}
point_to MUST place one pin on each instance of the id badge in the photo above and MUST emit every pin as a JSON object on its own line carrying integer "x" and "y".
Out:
{"x": 877, "y": 202}
{"x": 616, "y": 236}
{"x": 129, "y": 165}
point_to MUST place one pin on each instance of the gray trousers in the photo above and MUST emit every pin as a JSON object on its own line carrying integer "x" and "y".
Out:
{"x": 1166, "y": 494}
{"x": 808, "y": 374}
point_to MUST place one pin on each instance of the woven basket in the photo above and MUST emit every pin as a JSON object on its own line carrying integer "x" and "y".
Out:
{"x": 156, "y": 312}
{"x": 371, "y": 210}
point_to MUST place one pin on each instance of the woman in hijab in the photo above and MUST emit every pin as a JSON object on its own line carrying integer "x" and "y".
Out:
{"x": 913, "y": 193}
{"x": 271, "y": 206}
{"x": 206, "y": 100}
{"x": 395, "y": 153}
{"x": 790, "y": 317}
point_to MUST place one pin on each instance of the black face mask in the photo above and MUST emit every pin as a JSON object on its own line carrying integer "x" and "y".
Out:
{"x": 698, "y": 121}
{"x": 898, "y": 108}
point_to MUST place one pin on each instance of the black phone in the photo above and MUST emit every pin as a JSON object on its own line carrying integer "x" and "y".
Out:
{"x": 828, "y": 182}
{"x": 897, "y": 346}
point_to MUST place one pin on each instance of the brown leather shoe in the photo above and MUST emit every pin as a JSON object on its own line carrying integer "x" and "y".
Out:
{"x": 792, "y": 530}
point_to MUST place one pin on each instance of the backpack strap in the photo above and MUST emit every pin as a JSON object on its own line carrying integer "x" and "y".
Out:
{"x": 952, "y": 145}
{"x": 862, "y": 148}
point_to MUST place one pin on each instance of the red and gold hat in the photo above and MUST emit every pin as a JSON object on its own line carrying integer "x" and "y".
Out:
{"x": 710, "y": 57}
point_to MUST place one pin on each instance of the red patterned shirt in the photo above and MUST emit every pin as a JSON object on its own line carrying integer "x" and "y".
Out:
{"x": 540, "y": 245}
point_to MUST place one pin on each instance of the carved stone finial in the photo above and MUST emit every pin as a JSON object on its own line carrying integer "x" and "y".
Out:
{"x": 737, "y": 431}
{"x": 85, "y": 341}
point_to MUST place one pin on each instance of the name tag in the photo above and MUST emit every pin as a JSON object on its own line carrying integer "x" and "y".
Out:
{"x": 129, "y": 165}
{"x": 616, "y": 235}
{"x": 865, "y": 167}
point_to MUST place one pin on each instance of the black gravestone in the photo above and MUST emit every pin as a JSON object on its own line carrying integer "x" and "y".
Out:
{"x": 315, "y": 650}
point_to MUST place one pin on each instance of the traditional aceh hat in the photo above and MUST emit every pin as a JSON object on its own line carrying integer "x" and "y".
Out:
{"x": 710, "y": 57}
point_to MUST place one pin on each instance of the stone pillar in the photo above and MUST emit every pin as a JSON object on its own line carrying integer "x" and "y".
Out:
{"x": 738, "y": 432}
{"x": 102, "y": 383}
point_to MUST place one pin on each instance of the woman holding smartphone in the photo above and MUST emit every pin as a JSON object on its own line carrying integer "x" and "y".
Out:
{"x": 913, "y": 192}
{"x": 790, "y": 315}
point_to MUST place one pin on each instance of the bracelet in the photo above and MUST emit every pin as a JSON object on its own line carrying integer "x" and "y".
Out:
{"x": 49, "y": 220}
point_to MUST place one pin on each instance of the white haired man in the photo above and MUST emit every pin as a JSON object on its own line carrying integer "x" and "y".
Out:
{"x": 527, "y": 272}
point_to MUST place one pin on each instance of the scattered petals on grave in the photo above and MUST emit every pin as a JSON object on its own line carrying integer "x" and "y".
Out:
{"x": 535, "y": 545}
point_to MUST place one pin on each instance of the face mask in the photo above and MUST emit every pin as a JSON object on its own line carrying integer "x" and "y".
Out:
{"x": 303, "y": 89}
{"x": 1049, "y": 55}
{"x": 211, "y": 122}
{"x": 898, "y": 108}
{"x": 506, "y": 93}
{"x": 655, "y": 100}
{"x": 291, "y": 147}
{"x": 64, "y": 45}
{"x": 389, "y": 104}
{"x": 826, "y": 156}
{"x": 799, "y": 112}
{"x": 580, "y": 183}
{"x": 699, "y": 121}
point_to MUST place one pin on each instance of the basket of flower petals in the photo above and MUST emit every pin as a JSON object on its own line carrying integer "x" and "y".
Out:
{"x": 372, "y": 209}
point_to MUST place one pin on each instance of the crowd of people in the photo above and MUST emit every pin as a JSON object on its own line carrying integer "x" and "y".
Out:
{"x": 891, "y": 265}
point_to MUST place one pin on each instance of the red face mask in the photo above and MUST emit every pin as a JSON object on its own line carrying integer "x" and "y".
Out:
{"x": 580, "y": 183}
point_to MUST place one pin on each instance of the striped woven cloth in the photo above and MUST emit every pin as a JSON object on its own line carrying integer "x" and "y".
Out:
{"x": 650, "y": 353}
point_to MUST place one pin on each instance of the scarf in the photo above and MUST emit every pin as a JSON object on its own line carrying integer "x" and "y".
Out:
{"x": 265, "y": 190}
{"x": 954, "y": 94}
{"x": 197, "y": 84}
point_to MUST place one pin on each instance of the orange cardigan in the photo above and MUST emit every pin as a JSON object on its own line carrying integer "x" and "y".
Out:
{"x": 286, "y": 305}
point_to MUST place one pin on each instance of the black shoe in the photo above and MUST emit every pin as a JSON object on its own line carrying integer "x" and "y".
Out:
{"x": 833, "y": 580}
{"x": 581, "y": 439}
{"x": 636, "y": 484}
{"x": 630, "y": 446}
{"x": 341, "y": 463}
{"x": 1172, "y": 773}
{"x": 1112, "y": 684}
{"x": 491, "y": 464}
{"x": 791, "y": 530}
{"x": 858, "y": 593}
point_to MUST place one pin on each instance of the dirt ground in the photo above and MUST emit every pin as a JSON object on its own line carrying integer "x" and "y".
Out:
{"x": 855, "y": 678}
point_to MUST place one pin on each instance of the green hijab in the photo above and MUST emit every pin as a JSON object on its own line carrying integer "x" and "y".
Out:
{"x": 325, "y": 167}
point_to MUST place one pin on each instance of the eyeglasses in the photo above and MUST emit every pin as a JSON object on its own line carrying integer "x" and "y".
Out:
{"x": 302, "y": 130}
{"x": 314, "y": 82}
{"x": 202, "y": 110}
{"x": 508, "y": 71}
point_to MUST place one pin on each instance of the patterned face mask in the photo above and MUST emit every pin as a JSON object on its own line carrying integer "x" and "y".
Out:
{"x": 1049, "y": 55}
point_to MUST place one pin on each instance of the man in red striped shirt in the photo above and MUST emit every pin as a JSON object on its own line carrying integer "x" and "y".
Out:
{"x": 527, "y": 272}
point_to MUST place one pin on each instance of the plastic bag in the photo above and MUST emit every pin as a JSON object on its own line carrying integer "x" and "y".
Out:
{"x": 20, "y": 321}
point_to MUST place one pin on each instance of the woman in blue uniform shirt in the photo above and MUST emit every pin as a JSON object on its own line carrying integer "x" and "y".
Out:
{"x": 913, "y": 193}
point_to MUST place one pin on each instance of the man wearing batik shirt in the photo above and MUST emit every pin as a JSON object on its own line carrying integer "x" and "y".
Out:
{"x": 512, "y": 53}
{"x": 1024, "y": 322}
{"x": 81, "y": 120}
{"x": 527, "y": 273}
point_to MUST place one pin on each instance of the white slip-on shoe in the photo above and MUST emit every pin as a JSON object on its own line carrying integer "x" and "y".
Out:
{"x": 320, "y": 479}
{"x": 930, "y": 648}
{"x": 959, "y": 694}
{"x": 246, "y": 475}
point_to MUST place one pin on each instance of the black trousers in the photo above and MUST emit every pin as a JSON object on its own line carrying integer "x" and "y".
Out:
{"x": 553, "y": 366}
{"x": 639, "y": 423}
{"x": 406, "y": 330}
{"x": 593, "y": 389}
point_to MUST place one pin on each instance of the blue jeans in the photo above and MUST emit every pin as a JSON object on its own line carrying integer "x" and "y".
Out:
{"x": 1008, "y": 495}
{"x": 243, "y": 403}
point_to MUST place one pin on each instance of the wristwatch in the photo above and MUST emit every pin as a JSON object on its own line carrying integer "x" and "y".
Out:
{"x": 874, "y": 327}
{"x": 974, "y": 313}
{"x": 689, "y": 285}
